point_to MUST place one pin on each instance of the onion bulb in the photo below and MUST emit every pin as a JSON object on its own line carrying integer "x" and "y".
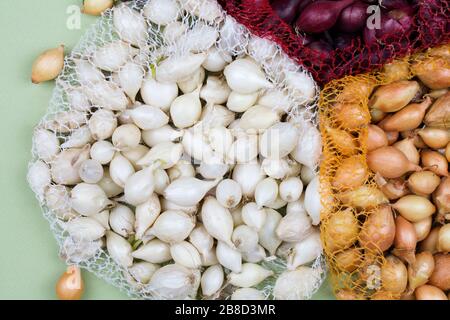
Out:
{"x": 341, "y": 230}
{"x": 70, "y": 285}
{"x": 351, "y": 173}
{"x": 410, "y": 117}
{"x": 414, "y": 208}
{"x": 376, "y": 138}
{"x": 423, "y": 183}
{"x": 48, "y": 65}
{"x": 438, "y": 115}
{"x": 96, "y": 7}
{"x": 378, "y": 231}
{"x": 427, "y": 292}
{"x": 441, "y": 274}
{"x": 351, "y": 115}
{"x": 433, "y": 72}
{"x": 441, "y": 198}
{"x": 390, "y": 162}
{"x": 435, "y": 162}
{"x": 423, "y": 228}
{"x": 407, "y": 147}
{"x": 343, "y": 141}
{"x": 394, "y": 188}
{"x": 435, "y": 138}
{"x": 443, "y": 244}
{"x": 394, "y": 275}
{"x": 420, "y": 271}
{"x": 430, "y": 242}
{"x": 405, "y": 240}
{"x": 348, "y": 260}
{"x": 396, "y": 70}
{"x": 363, "y": 197}
{"x": 394, "y": 96}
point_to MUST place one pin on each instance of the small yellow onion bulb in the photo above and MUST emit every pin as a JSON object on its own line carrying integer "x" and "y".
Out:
{"x": 394, "y": 275}
{"x": 441, "y": 274}
{"x": 96, "y": 7}
{"x": 427, "y": 292}
{"x": 48, "y": 65}
{"x": 443, "y": 244}
{"x": 70, "y": 285}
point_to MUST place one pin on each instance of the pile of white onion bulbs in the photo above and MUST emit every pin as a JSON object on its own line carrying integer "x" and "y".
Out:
{"x": 194, "y": 174}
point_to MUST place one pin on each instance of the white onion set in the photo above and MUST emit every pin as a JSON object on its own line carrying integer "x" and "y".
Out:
{"x": 183, "y": 165}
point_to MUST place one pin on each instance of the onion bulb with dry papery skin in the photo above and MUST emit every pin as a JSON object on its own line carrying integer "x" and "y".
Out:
{"x": 394, "y": 96}
{"x": 418, "y": 142}
{"x": 423, "y": 228}
{"x": 363, "y": 197}
{"x": 351, "y": 115}
{"x": 378, "y": 231}
{"x": 423, "y": 183}
{"x": 427, "y": 292}
{"x": 341, "y": 230}
{"x": 443, "y": 244}
{"x": 390, "y": 162}
{"x": 405, "y": 240}
{"x": 407, "y": 147}
{"x": 410, "y": 117}
{"x": 394, "y": 275}
{"x": 414, "y": 208}
{"x": 351, "y": 173}
{"x": 357, "y": 88}
{"x": 420, "y": 271}
{"x": 441, "y": 274}
{"x": 435, "y": 138}
{"x": 430, "y": 242}
{"x": 70, "y": 285}
{"x": 96, "y": 7}
{"x": 393, "y": 189}
{"x": 348, "y": 260}
{"x": 376, "y": 138}
{"x": 439, "y": 114}
{"x": 396, "y": 70}
{"x": 48, "y": 65}
{"x": 435, "y": 162}
{"x": 343, "y": 141}
{"x": 433, "y": 72}
{"x": 441, "y": 198}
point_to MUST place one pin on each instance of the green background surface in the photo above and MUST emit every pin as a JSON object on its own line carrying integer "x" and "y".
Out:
{"x": 29, "y": 264}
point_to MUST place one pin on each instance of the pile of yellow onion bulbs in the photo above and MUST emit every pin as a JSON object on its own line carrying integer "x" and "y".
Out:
{"x": 408, "y": 149}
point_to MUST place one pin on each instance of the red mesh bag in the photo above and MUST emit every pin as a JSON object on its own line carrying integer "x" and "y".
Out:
{"x": 430, "y": 27}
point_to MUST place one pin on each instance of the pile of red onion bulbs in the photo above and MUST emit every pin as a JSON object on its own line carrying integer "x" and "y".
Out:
{"x": 333, "y": 24}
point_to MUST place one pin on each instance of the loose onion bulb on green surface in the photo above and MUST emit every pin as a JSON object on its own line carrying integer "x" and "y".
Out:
{"x": 70, "y": 285}
{"x": 48, "y": 65}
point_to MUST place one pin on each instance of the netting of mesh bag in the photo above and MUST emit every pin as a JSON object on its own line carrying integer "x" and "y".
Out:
{"x": 430, "y": 28}
{"x": 77, "y": 96}
{"x": 354, "y": 255}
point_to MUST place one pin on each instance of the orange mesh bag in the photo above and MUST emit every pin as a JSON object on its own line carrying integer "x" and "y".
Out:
{"x": 358, "y": 221}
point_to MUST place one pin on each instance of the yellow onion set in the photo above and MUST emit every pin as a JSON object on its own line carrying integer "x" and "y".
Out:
{"x": 386, "y": 136}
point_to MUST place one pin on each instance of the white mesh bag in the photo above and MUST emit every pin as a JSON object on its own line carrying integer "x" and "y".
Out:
{"x": 176, "y": 41}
